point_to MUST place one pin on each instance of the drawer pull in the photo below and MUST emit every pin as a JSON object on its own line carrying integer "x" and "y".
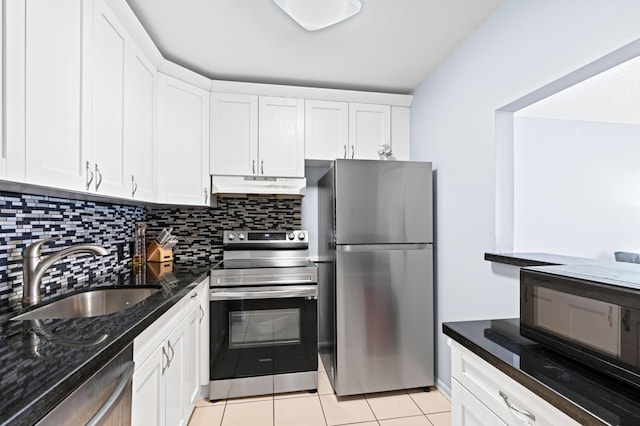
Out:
{"x": 516, "y": 409}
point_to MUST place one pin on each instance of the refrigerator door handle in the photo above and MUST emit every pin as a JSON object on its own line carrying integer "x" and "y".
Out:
{"x": 380, "y": 247}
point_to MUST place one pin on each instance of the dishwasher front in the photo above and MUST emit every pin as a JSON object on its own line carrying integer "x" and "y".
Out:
{"x": 104, "y": 399}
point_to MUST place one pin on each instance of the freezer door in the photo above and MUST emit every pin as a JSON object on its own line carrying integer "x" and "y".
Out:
{"x": 384, "y": 318}
{"x": 383, "y": 202}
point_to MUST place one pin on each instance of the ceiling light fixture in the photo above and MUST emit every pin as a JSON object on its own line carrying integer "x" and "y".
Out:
{"x": 314, "y": 15}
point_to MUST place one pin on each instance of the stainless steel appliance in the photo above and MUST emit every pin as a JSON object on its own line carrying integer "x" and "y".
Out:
{"x": 375, "y": 291}
{"x": 589, "y": 313}
{"x": 104, "y": 399}
{"x": 263, "y": 328}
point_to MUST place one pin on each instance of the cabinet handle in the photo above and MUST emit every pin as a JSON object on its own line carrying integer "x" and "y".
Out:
{"x": 201, "y": 314}
{"x": 345, "y": 152}
{"x": 98, "y": 177}
{"x": 253, "y": 167}
{"x": 172, "y": 352}
{"x": 352, "y": 152}
{"x": 134, "y": 186}
{"x": 206, "y": 195}
{"x": 164, "y": 356}
{"x": 194, "y": 295}
{"x": 516, "y": 409}
{"x": 89, "y": 171}
{"x": 261, "y": 167}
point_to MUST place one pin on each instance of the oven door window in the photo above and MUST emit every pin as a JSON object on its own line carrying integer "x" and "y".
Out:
{"x": 268, "y": 327}
{"x": 252, "y": 337}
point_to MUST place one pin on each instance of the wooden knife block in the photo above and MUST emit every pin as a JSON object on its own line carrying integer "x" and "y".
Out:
{"x": 157, "y": 270}
{"x": 155, "y": 253}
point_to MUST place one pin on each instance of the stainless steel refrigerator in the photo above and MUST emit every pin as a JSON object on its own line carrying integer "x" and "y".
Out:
{"x": 375, "y": 295}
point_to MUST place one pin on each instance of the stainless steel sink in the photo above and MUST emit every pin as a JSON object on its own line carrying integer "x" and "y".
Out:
{"x": 90, "y": 303}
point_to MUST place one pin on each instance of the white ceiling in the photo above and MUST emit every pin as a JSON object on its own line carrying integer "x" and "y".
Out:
{"x": 390, "y": 46}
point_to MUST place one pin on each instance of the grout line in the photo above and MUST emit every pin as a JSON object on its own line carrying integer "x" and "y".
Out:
{"x": 324, "y": 415}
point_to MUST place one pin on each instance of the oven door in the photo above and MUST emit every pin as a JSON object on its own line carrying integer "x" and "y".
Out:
{"x": 257, "y": 331}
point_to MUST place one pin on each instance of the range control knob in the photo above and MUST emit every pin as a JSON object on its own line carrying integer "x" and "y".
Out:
{"x": 301, "y": 236}
{"x": 231, "y": 237}
{"x": 241, "y": 236}
{"x": 291, "y": 235}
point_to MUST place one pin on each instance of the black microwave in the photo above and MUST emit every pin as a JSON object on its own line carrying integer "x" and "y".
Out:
{"x": 589, "y": 313}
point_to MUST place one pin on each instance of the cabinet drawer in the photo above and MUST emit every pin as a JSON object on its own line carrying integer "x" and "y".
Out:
{"x": 469, "y": 411}
{"x": 510, "y": 401}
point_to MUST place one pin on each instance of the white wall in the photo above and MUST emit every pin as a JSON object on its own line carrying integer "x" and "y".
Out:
{"x": 523, "y": 46}
{"x": 576, "y": 187}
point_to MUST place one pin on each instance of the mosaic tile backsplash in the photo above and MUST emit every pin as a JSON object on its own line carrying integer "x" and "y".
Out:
{"x": 25, "y": 219}
{"x": 199, "y": 229}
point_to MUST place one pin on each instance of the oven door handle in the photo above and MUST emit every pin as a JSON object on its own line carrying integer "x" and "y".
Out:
{"x": 310, "y": 291}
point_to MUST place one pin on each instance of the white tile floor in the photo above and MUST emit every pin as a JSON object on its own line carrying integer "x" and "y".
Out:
{"x": 413, "y": 407}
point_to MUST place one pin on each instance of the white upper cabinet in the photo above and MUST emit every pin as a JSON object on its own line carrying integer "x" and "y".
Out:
{"x": 281, "y": 137}
{"x": 400, "y": 132}
{"x": 106, "y": 158}
{"x": 257, "y": 136}
{"x": 326, "y": 130}
{"x": 183, "y": 142}
{"x": 234, "y": 134}
{"x": 369, "y": 130}
{"x": 355, "y": 130}
{"x": 139, "y": 125}
{"x": 3, "y": 146}
{"x": 44, "y": 91}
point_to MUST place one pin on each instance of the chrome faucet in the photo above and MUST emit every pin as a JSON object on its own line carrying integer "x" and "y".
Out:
{"x": 34, "y": 265}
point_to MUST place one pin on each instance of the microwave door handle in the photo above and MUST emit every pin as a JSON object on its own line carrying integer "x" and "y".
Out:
{"x": 285, "y": 293}
{"x": 625, "y": 320}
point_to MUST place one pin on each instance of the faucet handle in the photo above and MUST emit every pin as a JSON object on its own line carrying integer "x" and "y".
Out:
{"x": 33, "y": 250}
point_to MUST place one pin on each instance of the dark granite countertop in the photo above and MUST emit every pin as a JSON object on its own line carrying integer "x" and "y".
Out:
{"x": 37, "y": 372}
{"x": 540, "y": 259}
{"x": 584, "y": 394}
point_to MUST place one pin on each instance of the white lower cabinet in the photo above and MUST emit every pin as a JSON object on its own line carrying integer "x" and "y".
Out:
{"x": 483, "y": 395}
{"x": 167, "y": 356}
{"x": 157, "y": 384}
{"x": 467, "y": 410}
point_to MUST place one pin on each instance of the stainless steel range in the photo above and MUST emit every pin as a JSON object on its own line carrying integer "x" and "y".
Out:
{"x": 263, "y": 327}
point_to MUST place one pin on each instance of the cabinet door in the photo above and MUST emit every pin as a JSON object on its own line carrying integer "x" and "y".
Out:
{"x": 183, "y": 142}
{"x": 369, "y": 129}
{"x": 148, "y": 398}
{"x": 400, "y": 132}
{"x": 175, "y": 376}
{"x": 3, "y": 146}
{"x": 326, "y": 129}
{"x": 139, "y": 107}
{"x": 192, "y": 379}
{"x": 52, "y": 92}
{"x": 234, "y": 134}
{"x": 281, "y": 137}
{"x": 107, "y": 83}
{"x": 204, "y": 332}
